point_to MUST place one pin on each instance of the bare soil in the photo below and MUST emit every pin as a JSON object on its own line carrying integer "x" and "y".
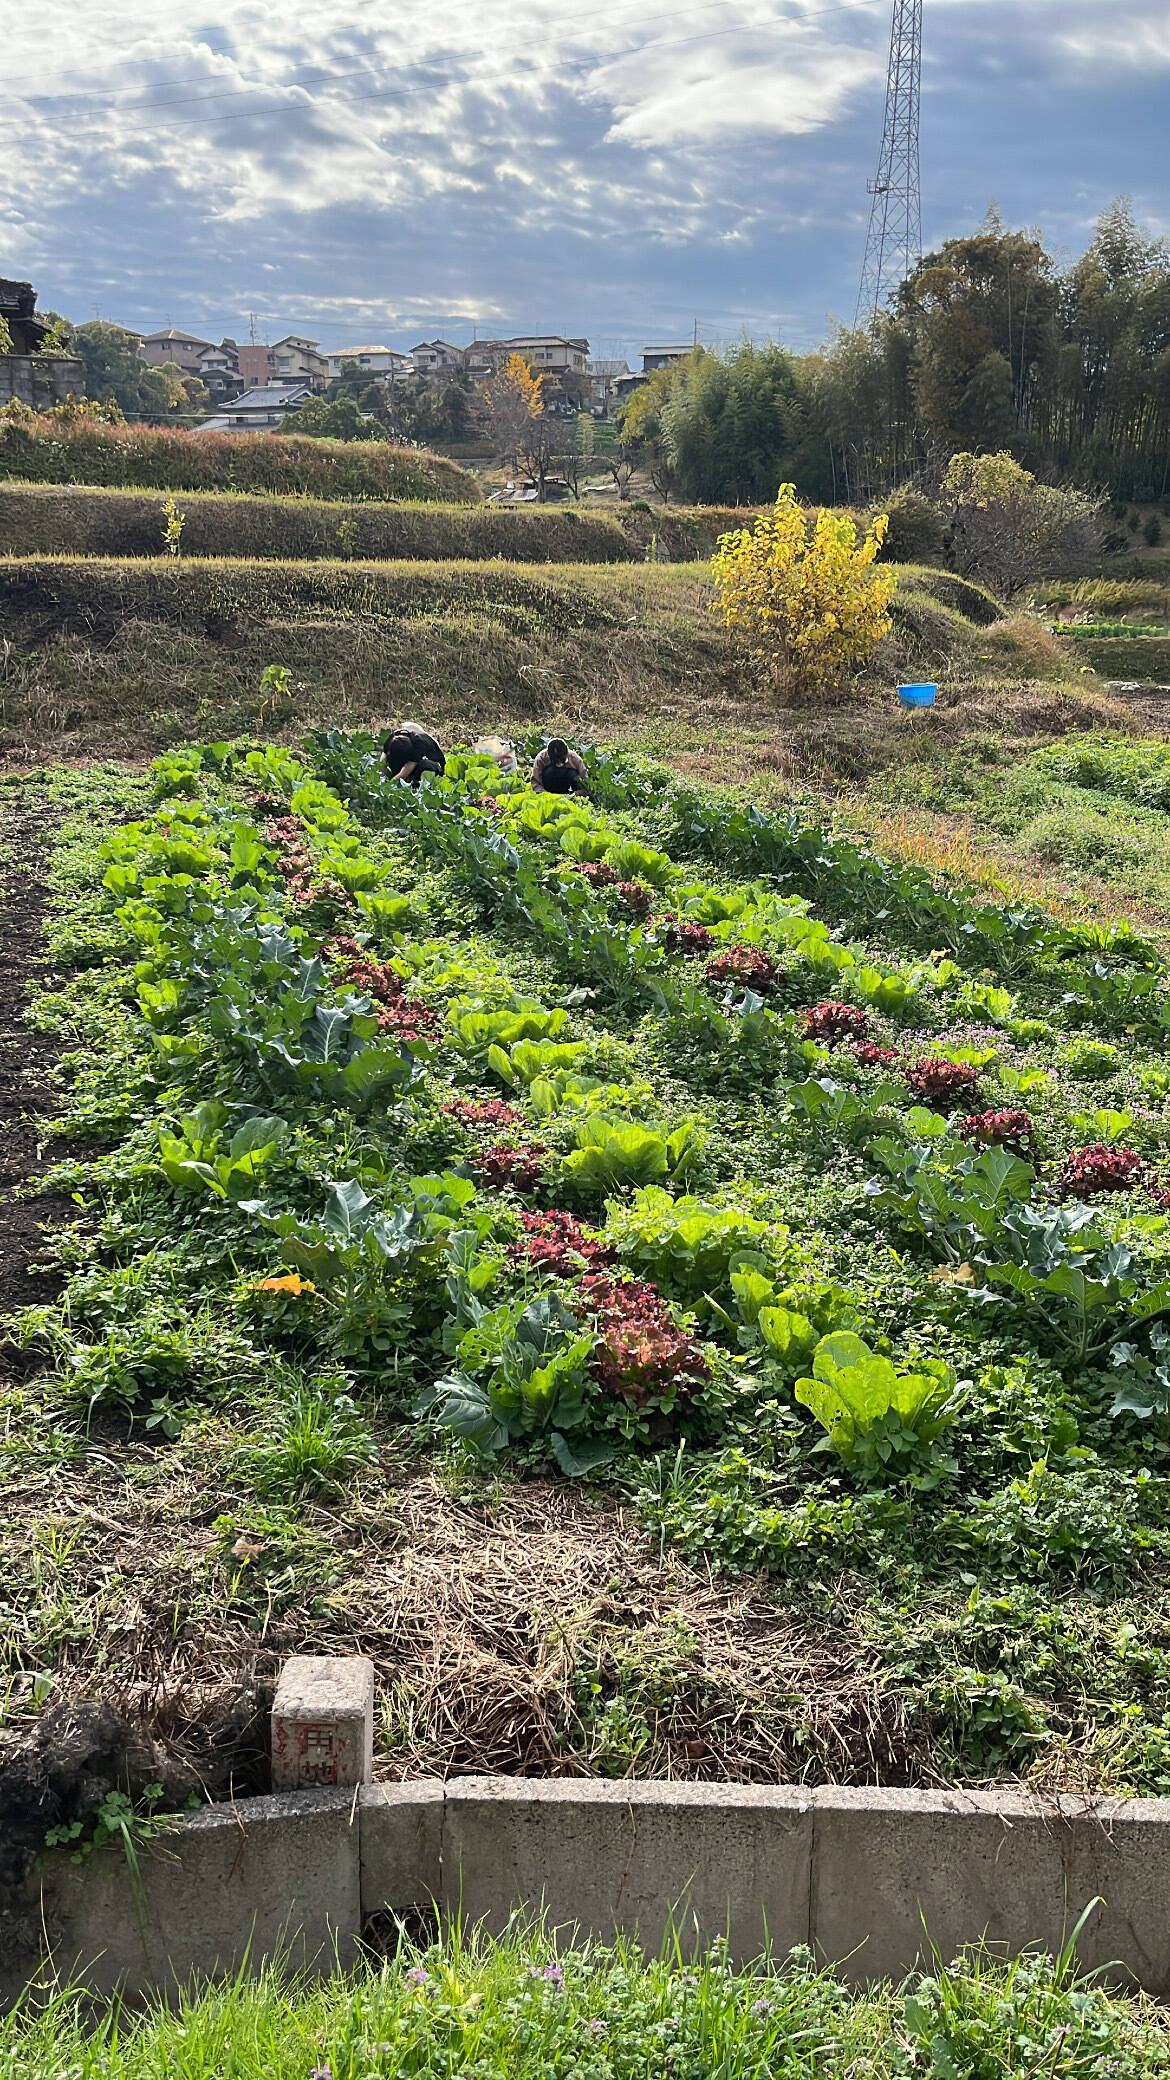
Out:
{"x": 27, "y": 1097}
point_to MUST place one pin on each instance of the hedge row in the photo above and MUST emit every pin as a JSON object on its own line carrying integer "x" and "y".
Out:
{"x": 38, "y": 519}
{"x": 96, "y": 597}
{"x": 171, "y": 459}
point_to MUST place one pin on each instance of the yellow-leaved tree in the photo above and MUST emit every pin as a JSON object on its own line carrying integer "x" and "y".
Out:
{"x": 804, "y": 595}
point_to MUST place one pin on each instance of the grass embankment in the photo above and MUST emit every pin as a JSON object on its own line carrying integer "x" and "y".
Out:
{"x": 130, "y": 654}
{"x": 76, "y": 520}
{"x": 521, "y": 2009}
{"x": 82, "y": 519}
{"x": 42, "y": 451}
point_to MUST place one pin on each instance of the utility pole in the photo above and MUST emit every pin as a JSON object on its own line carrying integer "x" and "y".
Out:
{"x": 893, "y": 246}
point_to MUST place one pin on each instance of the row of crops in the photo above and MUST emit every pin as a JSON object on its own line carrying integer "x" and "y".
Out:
{"x": 674, "y": 1145}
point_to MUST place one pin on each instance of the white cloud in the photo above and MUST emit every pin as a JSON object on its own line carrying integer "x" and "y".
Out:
{"x": 402, "y": 165}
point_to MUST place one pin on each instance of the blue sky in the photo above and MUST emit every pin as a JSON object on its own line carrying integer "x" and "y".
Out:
{"x": 382, "y": 170}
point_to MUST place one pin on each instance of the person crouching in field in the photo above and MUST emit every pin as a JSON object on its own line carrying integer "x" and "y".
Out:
{"x": 410, "y": 751}
{"x": 558, "y": 770}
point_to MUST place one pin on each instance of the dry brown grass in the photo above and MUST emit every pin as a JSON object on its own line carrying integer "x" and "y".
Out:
{"x": 490, "y": 1615}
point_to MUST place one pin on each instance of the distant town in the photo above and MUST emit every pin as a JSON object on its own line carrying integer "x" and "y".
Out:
{"x": 256, "y": 387}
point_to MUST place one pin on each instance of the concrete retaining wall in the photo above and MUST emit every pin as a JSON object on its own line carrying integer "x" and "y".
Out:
{"x": 865, "y": 1878}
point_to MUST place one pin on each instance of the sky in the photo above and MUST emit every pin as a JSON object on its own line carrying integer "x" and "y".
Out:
{"x": 382, "y": 171}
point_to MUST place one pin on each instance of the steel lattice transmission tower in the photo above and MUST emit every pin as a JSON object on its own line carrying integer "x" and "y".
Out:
{"x": 893, "y": 246}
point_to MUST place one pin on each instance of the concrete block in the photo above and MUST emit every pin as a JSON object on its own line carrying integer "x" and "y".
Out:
{"x": 895, "y": 1871}
{"x": 713, "y": 1859}
{"x": 1118, "y": 1851}
{"x": 228, "y": 1882}
{"x": 402, "y": 1837}
{"x": 323, "y": 1722}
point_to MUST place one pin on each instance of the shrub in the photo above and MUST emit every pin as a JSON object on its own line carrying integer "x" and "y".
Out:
{"x": 915, "y": 531}
{"x": 941, "y": 1084}
{"x": 1006, "y": 530}
{"x": 803, "y": 596}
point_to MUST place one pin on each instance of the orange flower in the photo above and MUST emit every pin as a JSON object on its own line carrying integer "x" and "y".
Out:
{"x": 291, "y": 1284}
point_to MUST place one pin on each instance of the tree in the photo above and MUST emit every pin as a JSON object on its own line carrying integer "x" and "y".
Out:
{"x": 576, "y": 450}
{"x": 339, "y": 420}
{"x": 730, "y": 423}
{"x": 512, "y": 397}
{"x": 416, "y": 410}
{"x": 1005, "y": 529}
{"x": 803, "y": 594}
{"x": 639, "y": 421}
{"x": 115, "y": 369}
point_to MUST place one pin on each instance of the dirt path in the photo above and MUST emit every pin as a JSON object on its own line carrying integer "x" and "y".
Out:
{"x": 27, "y": 1098}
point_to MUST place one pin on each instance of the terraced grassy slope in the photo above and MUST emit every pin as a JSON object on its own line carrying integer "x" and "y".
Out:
{"x": 37, "y": 519}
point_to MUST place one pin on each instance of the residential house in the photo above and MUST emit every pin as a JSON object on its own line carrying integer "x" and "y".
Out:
{"x": 257, "y": 366}
{"x": 219, "y": 369}
{"x": 564, "y": 363}
{"x": 297, "y": 360}
{"x": 384, "y": 363}
{"x": 18, "y": 308}
{"x": 550, "y": 353}
{"x": 664, "y": 357}
{"x": 263, "y": 410}
{"x": 26, "y": 374}
{"x": 183, "y": 349}
{"x": 604, "y": 377}
{"x": 436, "y": 358}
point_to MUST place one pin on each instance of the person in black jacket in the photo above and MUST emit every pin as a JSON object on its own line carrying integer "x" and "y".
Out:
{"x": 410, "y": 751}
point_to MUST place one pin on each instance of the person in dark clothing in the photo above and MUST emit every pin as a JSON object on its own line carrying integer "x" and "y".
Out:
{"x": 410, "y": 751}
{"x": 559, "y": 771}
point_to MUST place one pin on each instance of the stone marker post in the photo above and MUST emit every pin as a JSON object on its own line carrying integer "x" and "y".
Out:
{"x": 323, "y": 1722}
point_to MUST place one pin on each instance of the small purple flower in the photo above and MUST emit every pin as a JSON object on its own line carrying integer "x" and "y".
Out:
{"x": 762, "y": 2007}
{"x": 554, "y": 1973}
{"x": 416, "y": 1976}
{"x": 595, "y": 2026}
{"x": 321, "y": 2073}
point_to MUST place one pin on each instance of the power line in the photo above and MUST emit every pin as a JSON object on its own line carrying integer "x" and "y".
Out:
{"x": 313, "y": 79}
{"x": 441, "y": 79}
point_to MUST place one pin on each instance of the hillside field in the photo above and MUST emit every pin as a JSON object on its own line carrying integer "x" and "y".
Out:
{"x": 679, "y": 1280}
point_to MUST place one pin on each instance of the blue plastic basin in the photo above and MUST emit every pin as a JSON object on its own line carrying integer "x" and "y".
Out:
{"x": 917, "y": 696}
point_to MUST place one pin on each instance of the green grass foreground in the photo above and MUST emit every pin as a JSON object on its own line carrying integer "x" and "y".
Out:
{"x": 521, "y": 2010}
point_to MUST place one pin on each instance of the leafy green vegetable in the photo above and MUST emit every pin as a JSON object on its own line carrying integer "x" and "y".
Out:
{"x": 879, "y": 1420}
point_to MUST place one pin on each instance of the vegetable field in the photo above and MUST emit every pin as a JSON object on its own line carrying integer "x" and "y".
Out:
{"x": 683, "y": 1292}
